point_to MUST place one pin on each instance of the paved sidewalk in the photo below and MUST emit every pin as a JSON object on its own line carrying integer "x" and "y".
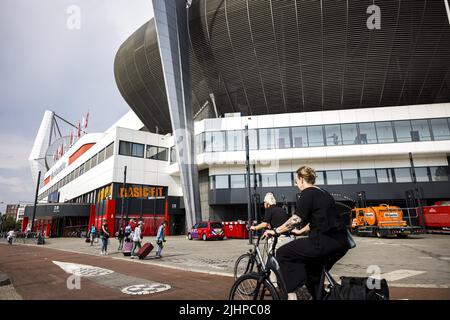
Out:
{"x": 416, "y": 262}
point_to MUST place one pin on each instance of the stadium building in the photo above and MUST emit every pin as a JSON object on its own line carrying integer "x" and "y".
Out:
{"x": 348, "y": 87}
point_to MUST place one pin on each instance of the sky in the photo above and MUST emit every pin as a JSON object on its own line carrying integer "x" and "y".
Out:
{"x": 50, "y": 60}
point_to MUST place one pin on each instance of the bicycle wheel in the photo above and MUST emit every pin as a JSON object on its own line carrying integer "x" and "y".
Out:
{"x": 244, "y": 264}
{"x": 252, "y": 287}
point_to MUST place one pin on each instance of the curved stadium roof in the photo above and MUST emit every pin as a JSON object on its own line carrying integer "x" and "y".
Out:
{"x": 278, "y": 56}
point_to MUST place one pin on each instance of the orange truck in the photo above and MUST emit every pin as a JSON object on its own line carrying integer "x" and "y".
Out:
{"x": 382, "y": 221}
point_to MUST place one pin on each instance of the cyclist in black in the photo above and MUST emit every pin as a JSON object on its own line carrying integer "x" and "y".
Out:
{"x": 301, "y": 260}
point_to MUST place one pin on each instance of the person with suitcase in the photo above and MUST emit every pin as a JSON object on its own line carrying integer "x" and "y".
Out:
{"x": 160, "y": 239}
{"x": 137, "y": 238}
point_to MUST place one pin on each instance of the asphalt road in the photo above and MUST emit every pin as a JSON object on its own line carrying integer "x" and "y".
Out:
{"x": 43, "y": 273}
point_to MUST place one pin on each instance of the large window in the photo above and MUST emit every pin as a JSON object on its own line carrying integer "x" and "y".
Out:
{"x": 269, "y": 180}
{"x": 333, "y": 135}
{"x": 441, "y": 129}
{"x": 384, "y": 176}
{"x": 299, "y": 137}
{"x": 384, "y": 132}
{"x": 334, "y": 177}
{"x": 235, "y": 141}
{"x": 218, "y": 141}
{"x": 157, "y": 153}
{"x": 422, "y": 174}
{"x": 402, "y": 175}
{"x": 173, "y": 155}
{"x": 109, "y": 150}
{"x": 420, "y": 130}
{"x": 266, "y": 139}
{"x": 131, "y": 149}
{"x": 403, "y": 130}
{"x": 367, "y": 176}
{"x": 237, "y": 181}
{"x": 253, "y": 139}
{"x": 320, "y": 179}
{"x": 284, "y": 179}
{"x": 94, "y": 161}
{"x": 315, "y": 136}
{"x": 350, "y": 177}
{"x": 439, "y": 173}
{"x": 101, "y": 156}
{"x": 367, "y": 133}
{"x": 282, "y": 138}
{"x": 222, "y": 182}
{"x": 349, "y": 134}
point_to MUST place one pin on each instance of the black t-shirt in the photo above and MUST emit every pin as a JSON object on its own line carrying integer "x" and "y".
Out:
{"x": 318, "y": 208}
{"x": 275, "y": 216}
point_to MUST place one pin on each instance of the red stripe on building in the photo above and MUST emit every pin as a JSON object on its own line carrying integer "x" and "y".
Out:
{"x": 47, "y": 180}
{"x": 80, "y": 152}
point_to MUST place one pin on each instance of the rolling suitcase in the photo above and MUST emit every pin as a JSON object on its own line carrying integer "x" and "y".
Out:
{"x": 145, "y": 250}
{"x": 127, "y": 246}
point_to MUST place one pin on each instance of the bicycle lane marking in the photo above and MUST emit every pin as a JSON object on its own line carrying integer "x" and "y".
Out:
{"x": 109, "y": 278}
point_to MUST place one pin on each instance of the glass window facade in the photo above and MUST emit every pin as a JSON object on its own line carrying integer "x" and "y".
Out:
{"x": 284, "y": 179}
{"x": 402, "y": 175}
{"x": 422, "y": 174}
{"x": 420, "y": 130}
{"x": 333, "y": 135}
{"x": 349, "y": 176}
{"x": 222, "y": 182}
{"x": 385, "y": 133}
{"x": 268, "y": 180}
{"x": 237, "y": 181}
{"x": 403, "y": 131}
{"x": 320, "y": 179}
{"x": 266, "y": 139}
{"x": 299, "y": 137}
{"x": 384, "y": 176}
{"x": 282, "y": 138}
{"x": 235, "y": 140}
{"x": 349, "y": 134}
{"x": 152, "y": 152}
{"x": 334, "y": 177}
{"x": 315, "y": 136}
{"x": 440, "y": 128}
{"x": 439, "y": 173}
{"x": 367, "y": 133}
{"x": 367, "y": 176}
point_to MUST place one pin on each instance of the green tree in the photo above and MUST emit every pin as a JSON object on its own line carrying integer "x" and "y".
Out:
{"x": 7, "y": 223}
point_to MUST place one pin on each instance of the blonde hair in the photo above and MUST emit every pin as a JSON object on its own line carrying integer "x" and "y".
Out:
{"x": 307, "y": 173}
{"x": 270, "y": 199}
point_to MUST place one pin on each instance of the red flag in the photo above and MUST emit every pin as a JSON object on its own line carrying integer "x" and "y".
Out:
{"x": 86, "y": 119}
{"x": 78, "y": 130}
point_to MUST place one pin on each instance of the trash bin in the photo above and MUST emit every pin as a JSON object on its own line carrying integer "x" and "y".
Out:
{"x": 235, "y": 229}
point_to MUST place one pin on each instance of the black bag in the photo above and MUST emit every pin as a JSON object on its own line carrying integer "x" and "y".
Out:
{"x": 355, "y": 288}
{"x": 87, "y": 240}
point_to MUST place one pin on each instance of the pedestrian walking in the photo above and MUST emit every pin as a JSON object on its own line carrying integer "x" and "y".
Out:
{"x": 10, "y": 237}
{"x": 104, "y": 234}
{"x": 120, "y": 237}
{"x": 160, "y": 239}
{"x": 93, "y": 234}
{"x": 137, "y": 239}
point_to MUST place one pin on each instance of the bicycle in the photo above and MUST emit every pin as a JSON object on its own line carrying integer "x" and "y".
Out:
{"x": 246, "y": 262}
{"x": 258, "y": 286}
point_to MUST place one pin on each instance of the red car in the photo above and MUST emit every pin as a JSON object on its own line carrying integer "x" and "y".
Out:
{"x": 206, "y": 230}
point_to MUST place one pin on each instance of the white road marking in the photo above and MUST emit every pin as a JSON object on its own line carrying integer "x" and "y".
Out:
{"x": 445, "y": 258}
{"x": 141, "y": 289}
{"x": 82, "y": 270}
{"x": 398, "y": 274}
{"x": 427, "y": 257}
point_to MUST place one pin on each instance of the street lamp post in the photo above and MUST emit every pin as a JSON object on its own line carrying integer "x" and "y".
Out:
{"x": 249, "y": 189}
{"x": 35, "y": 200}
